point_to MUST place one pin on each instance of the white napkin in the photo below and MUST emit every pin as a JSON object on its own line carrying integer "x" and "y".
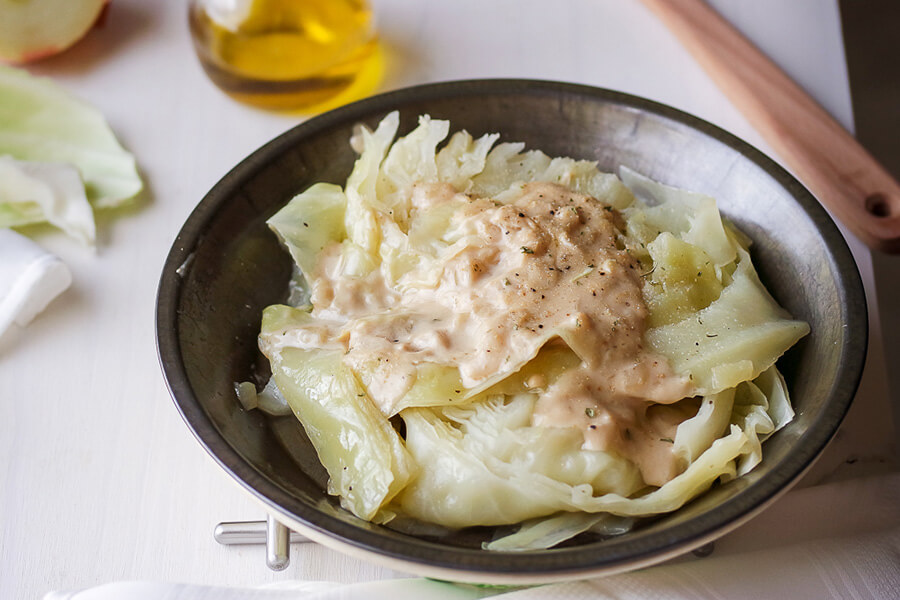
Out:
{"x": 390, "y": 589}
{"x": 829, "y": 542}
{"x": 30, "y": 277}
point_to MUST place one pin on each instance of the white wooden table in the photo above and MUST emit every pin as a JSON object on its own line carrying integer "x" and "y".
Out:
{"x": 100, "y": 480}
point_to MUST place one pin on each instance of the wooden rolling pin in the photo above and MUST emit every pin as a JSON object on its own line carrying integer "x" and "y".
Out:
{"x": 838, "y": 170}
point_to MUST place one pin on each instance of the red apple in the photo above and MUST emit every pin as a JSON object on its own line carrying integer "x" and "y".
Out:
{"x": 33, "y": 29}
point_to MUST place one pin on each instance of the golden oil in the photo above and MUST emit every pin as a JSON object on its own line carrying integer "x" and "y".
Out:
{"x": 305, "y": 55}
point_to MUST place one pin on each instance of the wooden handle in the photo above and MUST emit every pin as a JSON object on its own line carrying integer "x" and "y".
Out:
{"x": 838, "y": 170}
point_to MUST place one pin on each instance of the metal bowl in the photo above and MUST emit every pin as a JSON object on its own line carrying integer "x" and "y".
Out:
{"x": 225, "y": 267}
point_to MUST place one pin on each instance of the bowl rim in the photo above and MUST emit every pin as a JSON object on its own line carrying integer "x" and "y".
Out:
{"x": 434, "y": 559}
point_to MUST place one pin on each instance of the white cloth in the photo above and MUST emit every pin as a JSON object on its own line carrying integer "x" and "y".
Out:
{"x": 831, "y": 542}
{"x": 30, "y": 277}
{"x": 391, "y": 589}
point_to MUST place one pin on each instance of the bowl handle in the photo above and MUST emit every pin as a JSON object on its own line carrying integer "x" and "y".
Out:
{"x": 276, "y": 536}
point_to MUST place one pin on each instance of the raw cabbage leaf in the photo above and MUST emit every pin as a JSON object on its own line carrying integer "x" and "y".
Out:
{"x": 41, "y": 122}
{"x": 52, "y": 192}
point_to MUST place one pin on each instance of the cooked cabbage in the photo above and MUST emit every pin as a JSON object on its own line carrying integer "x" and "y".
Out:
{"x": 566, "y": 350}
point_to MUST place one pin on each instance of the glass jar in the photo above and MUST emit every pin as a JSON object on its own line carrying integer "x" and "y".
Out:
{"x": 305, "y": 55}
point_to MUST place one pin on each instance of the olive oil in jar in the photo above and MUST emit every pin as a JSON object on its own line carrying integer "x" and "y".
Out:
{"x": 305, "y": 55}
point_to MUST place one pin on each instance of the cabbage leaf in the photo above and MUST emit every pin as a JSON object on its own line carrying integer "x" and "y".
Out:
{"x": 369, "y": 465}
{"x": 311, "y": 221}
{"x": 40, "y": 122}
{"x": 734, "y": 339}
{"x": 52, "y": 192}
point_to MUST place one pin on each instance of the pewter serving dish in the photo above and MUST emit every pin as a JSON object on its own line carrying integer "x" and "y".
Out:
{"x": 225, "y": 267}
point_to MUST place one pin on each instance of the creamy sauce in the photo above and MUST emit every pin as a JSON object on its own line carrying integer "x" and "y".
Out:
{"x": 513, "y": 277}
